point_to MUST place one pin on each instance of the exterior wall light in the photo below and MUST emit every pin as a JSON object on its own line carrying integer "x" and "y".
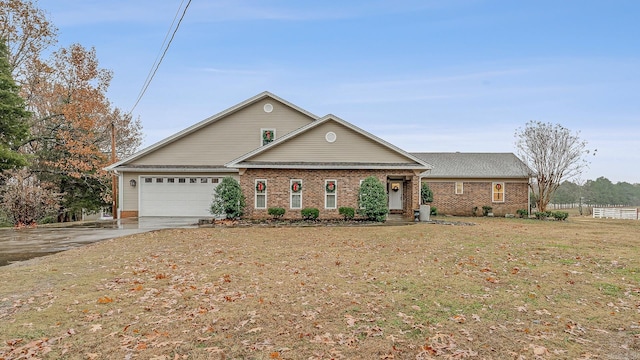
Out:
{"x": 132, "y": 182}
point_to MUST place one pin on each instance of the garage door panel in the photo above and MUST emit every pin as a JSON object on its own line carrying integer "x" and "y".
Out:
{"x": 176, "y": 198}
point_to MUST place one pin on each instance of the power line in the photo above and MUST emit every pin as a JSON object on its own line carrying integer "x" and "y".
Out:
{"x": 157, "y": 63}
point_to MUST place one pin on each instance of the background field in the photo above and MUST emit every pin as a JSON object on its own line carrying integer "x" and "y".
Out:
{"x": 503, "y": 288}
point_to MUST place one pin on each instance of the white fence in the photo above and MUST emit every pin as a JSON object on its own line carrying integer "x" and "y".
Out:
{"x": 615, "y": 213}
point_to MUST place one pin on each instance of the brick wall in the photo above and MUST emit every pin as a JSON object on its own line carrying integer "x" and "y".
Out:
{"x": 313, "y": 189}
{"x": 478, "y": 193}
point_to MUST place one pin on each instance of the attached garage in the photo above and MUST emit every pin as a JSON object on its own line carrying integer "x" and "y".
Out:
{"x": 188, "y": 196}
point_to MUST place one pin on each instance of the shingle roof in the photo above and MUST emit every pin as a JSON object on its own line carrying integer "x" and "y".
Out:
{"x": 474, "y": 165}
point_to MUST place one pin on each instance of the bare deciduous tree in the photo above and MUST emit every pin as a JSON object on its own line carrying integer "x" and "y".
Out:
{"x": 552, "y": 154}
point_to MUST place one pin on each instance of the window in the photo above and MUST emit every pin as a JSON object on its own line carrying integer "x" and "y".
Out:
{"x": 261, "y": 194}
{"x": 182, "y": 180}
{"x": 148, "y": 180}
{"x": 330, "y": 194}
{"x": 159, "y": 180}
{"x": 498, "y": 192}
{"x": 267, "y": 136}
{"x": 193, "y": 180}
{"x": 459, "y": 187}
{"x": 204, "y": 180}
{"x": 171, "y": 180}
{"x": 295, "y": 188}
{"x": 215, "y": 180}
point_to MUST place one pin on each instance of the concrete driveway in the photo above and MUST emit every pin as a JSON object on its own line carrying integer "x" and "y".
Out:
{"x": 23, "y": 244}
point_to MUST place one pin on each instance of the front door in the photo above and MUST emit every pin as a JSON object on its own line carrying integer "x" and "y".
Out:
{"x": 395, "y": 194}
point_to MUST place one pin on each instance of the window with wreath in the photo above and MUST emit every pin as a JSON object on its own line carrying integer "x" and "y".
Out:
{"x": 295, "y": 191}
{"x": 330, "y": 194}
{"x": 498, "y": 192}
{"x": 459, "y": 187}
{"x": 261, "y": 194}
{"x": 267, "y": 135}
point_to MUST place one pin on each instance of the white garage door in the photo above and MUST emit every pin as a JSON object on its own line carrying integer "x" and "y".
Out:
{"x": 176, "y": 196}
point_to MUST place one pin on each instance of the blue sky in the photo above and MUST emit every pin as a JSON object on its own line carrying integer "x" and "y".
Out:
{"x": 455, "y": 75}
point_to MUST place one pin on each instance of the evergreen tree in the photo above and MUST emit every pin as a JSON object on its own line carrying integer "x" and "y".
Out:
{"x": 373, "y": 200}
{"x": 14, "y": 128}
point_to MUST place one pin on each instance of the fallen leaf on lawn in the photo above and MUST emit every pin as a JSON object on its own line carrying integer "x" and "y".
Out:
{"x": 105, "y": 300}
{"x": 95, "y": 327}
{"x": 254, "y": 330}
{"x": 538, "y": 350}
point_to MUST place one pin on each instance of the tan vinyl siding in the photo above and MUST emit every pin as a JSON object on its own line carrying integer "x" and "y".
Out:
{"x": 349, "y": 146}
{"x": 130, "y": 201}
{"x": 229, "y": 137}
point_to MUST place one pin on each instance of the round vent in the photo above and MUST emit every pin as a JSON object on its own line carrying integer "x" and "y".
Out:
{"x": 331, "y": 136}
{"x": 268, "y": 108}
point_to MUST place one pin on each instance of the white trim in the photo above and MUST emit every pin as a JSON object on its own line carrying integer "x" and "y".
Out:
{"x": 322, "y": 167}
{"x": 291, "y": 193}
{"x": 334, "y": 194}
{"x": 177, "y": 170}
{"x": 255, "y": 191}
{"x": 120, "y": 194}
{"x": 455, "y": 190}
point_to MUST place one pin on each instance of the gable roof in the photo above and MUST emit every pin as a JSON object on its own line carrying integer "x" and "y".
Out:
{"x": 474, "y": 165}
{"x": 245, "y": 161}
{"x": 206, "y": 122}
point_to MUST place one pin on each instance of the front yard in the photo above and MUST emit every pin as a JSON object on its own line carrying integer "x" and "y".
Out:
{"x": 504, "y": 288}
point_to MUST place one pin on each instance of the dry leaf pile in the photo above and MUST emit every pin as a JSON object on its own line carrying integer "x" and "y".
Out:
{"x": 505, "y": 288}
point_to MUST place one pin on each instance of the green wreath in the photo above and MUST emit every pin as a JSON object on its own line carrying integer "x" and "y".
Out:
{"x": 267, "y": 135}
{"x": 331, "y": 187}
{"x": 296, "y": 186}
{"x": 261, "y": 186}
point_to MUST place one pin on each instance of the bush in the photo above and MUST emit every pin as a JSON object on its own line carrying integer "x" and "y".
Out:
{"x": 426, "y": 195}
{"x": 373, "y": 201}
{"x": 276, "y": 212}
{"x": 310, "y": 213}
{"x": 434, "y": 211}
{"x": 486, "y": 210}
{"x": 541, "y": 215}
{"x": 228, "y": 199}
{"x": 560, "y": 215}
{"x": 522, "y": 213}
{"x": 348, "y": 212}
{"x": 25, "y": 200}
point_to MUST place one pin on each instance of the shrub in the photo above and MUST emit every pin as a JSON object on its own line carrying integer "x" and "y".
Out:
{"x": 276, "y": 212}
{"x": 348, "y": 212}
{"x": 560, "y": 215}
{"x": 426, "y": 195}
{"x": 434, "y": 211}
{"x": 522, "y": 213}
{"x": 310, "y": 213}
{"x": 228, "y": 199}
{"x": 541, "y": 215}
{"x": 25, "y": 200}
{"x": 486, "y": 210}
{"x": 373, "y": 200}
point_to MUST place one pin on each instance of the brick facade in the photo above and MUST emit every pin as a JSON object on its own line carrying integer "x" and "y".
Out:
{"x": 478, "y": 194}
{"x": 313, "y": 189}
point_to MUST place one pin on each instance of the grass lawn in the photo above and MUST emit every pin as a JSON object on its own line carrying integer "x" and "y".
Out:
{"x": 504, "y": 288}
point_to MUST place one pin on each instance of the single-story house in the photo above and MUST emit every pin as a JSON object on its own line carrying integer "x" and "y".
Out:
{"x": 282, "y": 156}
{"x": 462, "y": 183}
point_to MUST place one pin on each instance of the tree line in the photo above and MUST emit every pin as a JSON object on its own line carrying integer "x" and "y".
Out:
{"x": 598, "y": 192}
{"x": 56, "y": 121}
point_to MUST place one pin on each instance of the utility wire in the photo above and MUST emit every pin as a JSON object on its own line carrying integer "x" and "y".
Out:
{"x": 156, "y": 64}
